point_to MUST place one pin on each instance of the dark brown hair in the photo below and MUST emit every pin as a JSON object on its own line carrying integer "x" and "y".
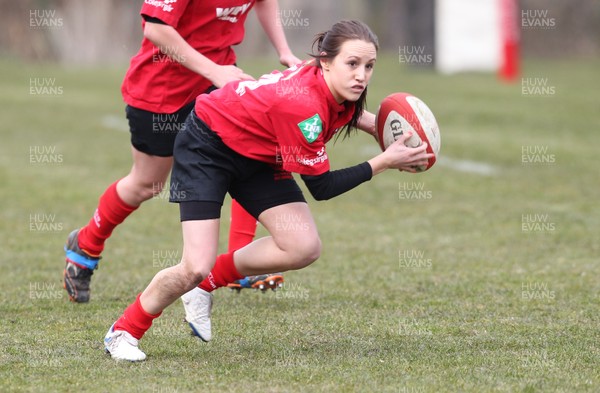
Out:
{"x": 331, "y": 41}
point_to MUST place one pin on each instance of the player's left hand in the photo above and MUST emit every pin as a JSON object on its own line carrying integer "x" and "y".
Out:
{"x": 289, "y": 60}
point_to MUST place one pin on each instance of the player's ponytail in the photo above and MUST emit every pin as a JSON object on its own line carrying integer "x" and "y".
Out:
{"x": 328, "y": 44}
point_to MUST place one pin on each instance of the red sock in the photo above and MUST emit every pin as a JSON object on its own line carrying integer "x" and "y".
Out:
{"x": 242, "y": 229}
{"x": 223, "y": 273}
{"x": 135, "y": 320}
{"x": 111, "y": 212}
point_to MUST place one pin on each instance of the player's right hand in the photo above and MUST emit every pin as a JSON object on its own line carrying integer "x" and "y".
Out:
{"x": 406, "y": 158}
{"x": 229, "y": 73}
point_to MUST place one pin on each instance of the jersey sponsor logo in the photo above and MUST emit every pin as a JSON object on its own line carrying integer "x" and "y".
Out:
{"x": 164, "y": 4}
{"x": 311, "y": 127}
{"x": 319, "y": 158}
{"x": 230, "y": 14}
{"x": 97, "y": 218}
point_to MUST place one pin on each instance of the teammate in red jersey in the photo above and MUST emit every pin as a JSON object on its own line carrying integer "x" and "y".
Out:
{"x": 245, "y": 139}
{"x": 186, "y": 51}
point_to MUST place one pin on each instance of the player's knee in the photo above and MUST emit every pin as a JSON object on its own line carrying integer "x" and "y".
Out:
{"x": 199, "y": 273}
{"x": 305, "y": 251}
{"x": 138, "y": 190}
{"x": 148, "y": 190}
{"x": 195, "y": 270}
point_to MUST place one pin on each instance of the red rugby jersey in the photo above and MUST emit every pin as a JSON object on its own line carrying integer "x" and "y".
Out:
{"x": 157, "y": 83}
{"x": 284, "y": 118}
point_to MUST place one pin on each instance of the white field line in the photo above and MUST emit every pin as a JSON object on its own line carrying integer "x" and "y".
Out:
{"x": 479, "y": 168}
{"x": 468, "y": 166}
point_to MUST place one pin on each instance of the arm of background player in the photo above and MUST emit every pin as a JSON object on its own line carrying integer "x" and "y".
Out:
{"x": 173, "y": 45}
{"x": 267, "y": 12}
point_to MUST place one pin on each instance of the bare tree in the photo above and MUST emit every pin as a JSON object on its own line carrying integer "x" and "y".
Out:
{"x": 108, "y": 31}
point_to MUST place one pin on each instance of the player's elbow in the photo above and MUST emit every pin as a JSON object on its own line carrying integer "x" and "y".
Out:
{"x": 155, "y": 32}
{"x": 320, "y": 196}
{"x": 149, "y": 31}
{"x": 319, "y": 186}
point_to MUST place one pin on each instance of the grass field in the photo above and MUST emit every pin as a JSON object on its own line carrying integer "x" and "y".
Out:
{"x": 480, "y": 275}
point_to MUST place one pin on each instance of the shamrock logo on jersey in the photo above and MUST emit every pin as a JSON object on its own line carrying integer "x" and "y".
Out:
{"x": 311, "y": 127}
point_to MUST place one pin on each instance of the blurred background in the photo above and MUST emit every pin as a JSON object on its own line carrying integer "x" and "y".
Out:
{"x": 90, "y": 32}
{"x": 478, "y": 275}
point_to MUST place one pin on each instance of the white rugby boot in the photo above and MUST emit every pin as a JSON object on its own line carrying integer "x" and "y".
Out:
{"x": 122, "y": 346}
{"x": 198, "y": 305}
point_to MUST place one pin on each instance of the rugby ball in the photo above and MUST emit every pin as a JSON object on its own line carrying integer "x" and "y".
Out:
{"x": 402, "y": 112}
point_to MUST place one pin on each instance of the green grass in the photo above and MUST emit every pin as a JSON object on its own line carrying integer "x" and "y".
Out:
{"x": 486, "y": 307}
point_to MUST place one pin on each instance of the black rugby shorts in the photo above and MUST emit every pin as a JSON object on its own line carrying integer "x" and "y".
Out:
{"x": 205, "y": 169}
{"x": 154, "y": 133}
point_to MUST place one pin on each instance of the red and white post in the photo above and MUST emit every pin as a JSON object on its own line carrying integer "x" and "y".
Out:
{"x": 510, "y": 36}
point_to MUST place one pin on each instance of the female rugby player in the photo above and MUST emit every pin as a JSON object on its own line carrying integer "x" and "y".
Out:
{"x": 186, "y": 51}
{"x": 246, "y": 139}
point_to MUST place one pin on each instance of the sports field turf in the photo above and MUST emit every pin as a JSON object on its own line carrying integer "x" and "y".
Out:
{"x": 480, "y": 275}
